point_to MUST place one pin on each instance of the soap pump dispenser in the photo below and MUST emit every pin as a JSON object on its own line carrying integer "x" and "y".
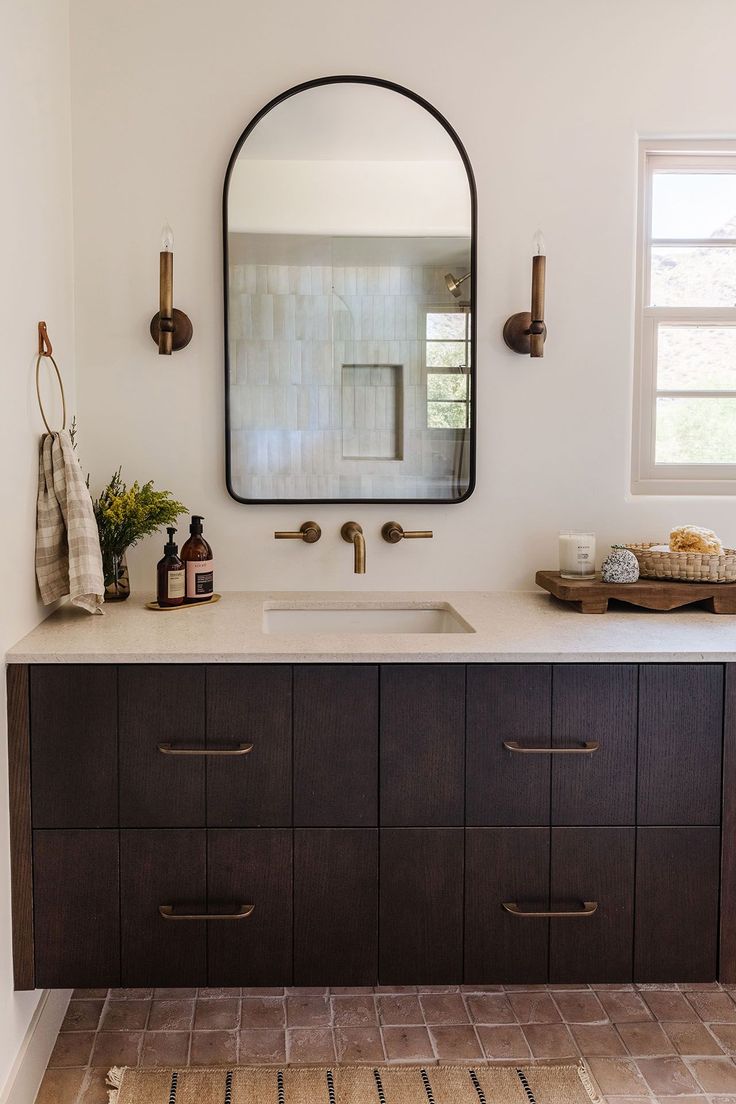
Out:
{"x": 170, "y": 575}
{"x": 198, "y": 564}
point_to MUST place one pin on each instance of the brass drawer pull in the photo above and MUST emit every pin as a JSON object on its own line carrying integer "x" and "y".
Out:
{"x": 589, "y": 907}
{"x": 585, "y": 749}
{"x": 170, "y": 749}
{"x": 167, "y": 912}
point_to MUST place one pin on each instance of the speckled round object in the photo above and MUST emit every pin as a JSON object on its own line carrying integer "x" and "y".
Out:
{"x": 620, "y": 566}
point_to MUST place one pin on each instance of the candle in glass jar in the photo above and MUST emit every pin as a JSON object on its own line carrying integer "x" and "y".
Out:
{"x": 577, "y": 554}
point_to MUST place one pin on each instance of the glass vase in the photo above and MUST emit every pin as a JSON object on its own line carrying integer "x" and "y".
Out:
{"x": 117, "y": 579}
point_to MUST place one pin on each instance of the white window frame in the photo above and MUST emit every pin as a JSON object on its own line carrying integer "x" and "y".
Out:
{"x": 445, "y": 308}
{"x": 649, "y": 477}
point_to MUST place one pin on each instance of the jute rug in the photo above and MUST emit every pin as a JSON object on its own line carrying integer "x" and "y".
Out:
{"x": 526, "y": 1084}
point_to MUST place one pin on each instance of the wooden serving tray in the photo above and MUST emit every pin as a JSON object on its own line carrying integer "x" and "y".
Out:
{"x": 593, "y": 596}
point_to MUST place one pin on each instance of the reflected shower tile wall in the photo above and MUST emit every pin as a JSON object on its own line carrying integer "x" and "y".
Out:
{"x": 292, "y": 330}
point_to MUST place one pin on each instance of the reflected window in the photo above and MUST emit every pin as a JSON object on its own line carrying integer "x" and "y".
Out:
{"x": 447, "y": 362}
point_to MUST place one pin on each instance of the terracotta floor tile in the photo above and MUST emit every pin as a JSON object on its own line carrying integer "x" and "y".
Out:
{"x": 174, "y": 994}
{"x": 636, "y": 1099}
{"x": 534, "y": 1008}
{"x": 307, "y": 990}
{"x": 213, "y": 1048}
{"x": 396, "y": 988}
{"x": 526, "y": 988}
{"x": 444, "y": 1008}
{"x": 130, "y": 994}
{"x": 598, "y": 1040}
{"x": 579, "y": 1007}
{"x": 624, "y": 1007}
{"x": 218, "y": 992}
{"x": 668, "y": 1076}
{"x": 726, "y": 1036}
{"x": 550, "y": 1040}
{"x": 455, "y": 1043}
{"x": 481, "y": 989}
{"x": 73, "y": 1048}
{"x": 216, "y": 1014}
{"x": 670, "y": 1005}
{"x": 438, "y": 989}
{"x": 94, "y": 1088}
{"x": 263, "y": 991}
{"x": 171, "y": 1015}
{"x": 645, "y": 1039}
{"x": 266, "y": 1048}
{"x": 400, "y": 1010}
{"x": 691, "y": 1038}
{"x": 490, "y": 1008}
{"x": 505, "y": 1041}
{"x": 618, "y": 1076}
{"x": 116, "y": 1048}
{"x": 165, "y": 1048}
{"x": 89, "y": 994}
{"x": 355, "y": 1011}
{"x": 358, "y": 1044}
{"x": 82, "y": 1015}
{"x": 128, "y": 1015}
{"x": 713, "y": 1007}
{"x": 309, "y": 1044}
{"x": 308, "y": 1011}
{"x": 698, "y": 986}
{"x": 407, "y": 1044}
{"x": 350, "y": 990}
{"x": 262, "y": 1013}
{"x": 716, "y": 1075}
{"x": 60, "y": 1086}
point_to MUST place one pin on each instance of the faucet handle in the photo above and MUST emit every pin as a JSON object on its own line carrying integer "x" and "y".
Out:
{"x": 393, "y": 533}
{"x": 309, "y": 532}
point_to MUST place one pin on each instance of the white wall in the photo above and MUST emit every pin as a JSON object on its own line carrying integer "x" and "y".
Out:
{"x": 35, "y": 283}
{"x": 548, "y": 99}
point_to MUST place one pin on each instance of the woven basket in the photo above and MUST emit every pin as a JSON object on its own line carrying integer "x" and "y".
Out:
{"x": 687, "y": 567}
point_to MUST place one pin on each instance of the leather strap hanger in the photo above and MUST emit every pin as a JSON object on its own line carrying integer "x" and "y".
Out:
{"x": 45, "y": 349}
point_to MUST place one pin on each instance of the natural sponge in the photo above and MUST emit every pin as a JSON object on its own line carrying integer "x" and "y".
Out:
{"x": 691, "y": 538}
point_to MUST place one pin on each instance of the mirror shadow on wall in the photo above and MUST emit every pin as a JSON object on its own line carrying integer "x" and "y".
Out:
{"x": 349, "y": 215}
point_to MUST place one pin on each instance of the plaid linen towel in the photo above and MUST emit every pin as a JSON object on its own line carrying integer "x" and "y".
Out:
{"x": 68, "y": 558}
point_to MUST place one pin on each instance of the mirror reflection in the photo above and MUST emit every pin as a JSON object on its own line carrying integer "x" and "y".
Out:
{"x": 349, "y": 302}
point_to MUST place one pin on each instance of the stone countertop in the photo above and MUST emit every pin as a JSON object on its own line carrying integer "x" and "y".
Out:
{"x": 510, "y": 627}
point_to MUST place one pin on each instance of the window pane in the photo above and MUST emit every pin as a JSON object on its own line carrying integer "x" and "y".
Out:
{"x": 446, "y": 325}
{"x": 447, "y": 386}
{"x": 694, "y": 205}
{"x": 446, "y": 415}
{"x": 693, "y": 277}
{"x": 696, "y": 431}
{"x": 445, "y": 354}
{"x": 696, "y": 358}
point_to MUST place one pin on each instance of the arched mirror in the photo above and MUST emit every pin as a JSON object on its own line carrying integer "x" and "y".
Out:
{"x": 349, "y": 223}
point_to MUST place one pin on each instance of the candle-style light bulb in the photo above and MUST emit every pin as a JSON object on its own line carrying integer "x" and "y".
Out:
{"x": 167, "y": 239}
{"x": 538, "y": 247}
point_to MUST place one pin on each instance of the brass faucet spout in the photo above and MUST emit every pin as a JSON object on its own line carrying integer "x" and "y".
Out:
{"x": 353, "y": 534}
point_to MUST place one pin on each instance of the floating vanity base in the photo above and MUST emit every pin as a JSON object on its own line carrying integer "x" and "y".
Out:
{"x": 593, "y": 596}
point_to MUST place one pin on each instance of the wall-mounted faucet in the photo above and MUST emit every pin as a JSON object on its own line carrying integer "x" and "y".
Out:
{"x": 353, "y": 534}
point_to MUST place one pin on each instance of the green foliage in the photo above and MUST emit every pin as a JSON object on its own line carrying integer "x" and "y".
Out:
{"x": 126, "y": 515}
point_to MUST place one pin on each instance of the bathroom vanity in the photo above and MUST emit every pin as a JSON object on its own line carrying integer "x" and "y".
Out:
{"x": 520, "y": 803}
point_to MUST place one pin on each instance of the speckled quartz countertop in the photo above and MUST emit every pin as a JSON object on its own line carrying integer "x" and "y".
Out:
{"x": 508, "y": 627}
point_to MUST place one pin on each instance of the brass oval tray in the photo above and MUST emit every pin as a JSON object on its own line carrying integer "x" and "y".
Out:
{"x": 184, "y": 606}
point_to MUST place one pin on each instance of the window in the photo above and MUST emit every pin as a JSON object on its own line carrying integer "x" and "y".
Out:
{"x": 685, "y": 395}
{"x": 447, "y": 358}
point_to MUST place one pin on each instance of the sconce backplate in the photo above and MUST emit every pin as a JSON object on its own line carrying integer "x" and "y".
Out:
{"x": 516, "y": 332}
{"x": 183, "y": 329}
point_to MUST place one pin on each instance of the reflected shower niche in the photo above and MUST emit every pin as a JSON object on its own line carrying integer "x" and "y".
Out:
{"x": 350, "y": 255}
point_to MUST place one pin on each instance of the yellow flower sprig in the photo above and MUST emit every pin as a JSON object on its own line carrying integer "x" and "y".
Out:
{"x": 127, "y": 514}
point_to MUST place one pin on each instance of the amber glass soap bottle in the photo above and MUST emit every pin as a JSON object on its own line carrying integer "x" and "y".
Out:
{"x": 170, "y": 576}
{"x": 197, "y": 556}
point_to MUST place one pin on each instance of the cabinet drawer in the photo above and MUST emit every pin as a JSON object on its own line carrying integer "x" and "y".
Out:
{"x": 517, "y": 879}
{"x": 74, "y": 746}
{"x": 76, "y": 908}
{"x": 680, "y": 743}
{"x": 421, "y": 906}
{"x": 202, "y": 873}
{"x": 335, "y": 906}
{"x": 336, "y": 746}
{"x": 676, "y": 933}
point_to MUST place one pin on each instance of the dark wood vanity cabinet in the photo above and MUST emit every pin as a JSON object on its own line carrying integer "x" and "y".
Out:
{"x": 396, "y": 824}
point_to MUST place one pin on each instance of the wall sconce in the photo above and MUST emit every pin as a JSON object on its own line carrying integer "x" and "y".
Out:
{"x": 171, "y": 329}
{"x": 526, "y": 332}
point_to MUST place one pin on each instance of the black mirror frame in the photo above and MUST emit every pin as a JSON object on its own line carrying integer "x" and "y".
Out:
{"x": 379, "y": 83}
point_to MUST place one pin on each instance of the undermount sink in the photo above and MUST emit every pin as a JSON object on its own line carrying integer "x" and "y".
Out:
{"x": 438, "y": 617}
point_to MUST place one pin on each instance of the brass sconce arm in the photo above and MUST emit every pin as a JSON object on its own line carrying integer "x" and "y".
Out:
{"x": 170, "y": 328}
{"x": 526, "y": 332}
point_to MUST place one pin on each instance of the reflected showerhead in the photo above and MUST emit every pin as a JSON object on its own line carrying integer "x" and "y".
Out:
{"x": 453, "y": 284}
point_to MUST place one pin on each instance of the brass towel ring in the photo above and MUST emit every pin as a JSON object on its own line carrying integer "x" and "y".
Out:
{"x": 45, "y": 350}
